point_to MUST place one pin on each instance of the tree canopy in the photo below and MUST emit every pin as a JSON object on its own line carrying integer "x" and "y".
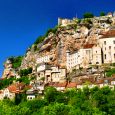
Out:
{"x": 88, "y": 15}
{"x": 93, "y": 101}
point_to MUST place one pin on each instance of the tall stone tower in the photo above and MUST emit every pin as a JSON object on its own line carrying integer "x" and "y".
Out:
{"x": 60, "y": 52}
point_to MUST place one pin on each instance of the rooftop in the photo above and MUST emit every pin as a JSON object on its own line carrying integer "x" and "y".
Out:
{"x": 88, "y": 46}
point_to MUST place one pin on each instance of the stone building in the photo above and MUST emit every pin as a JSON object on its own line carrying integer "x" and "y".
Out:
{"x": 50, "y": 73}
{"x": 107, "y": 43}
{"x": 87, "y": 55}
{"x": 43, "y": 59}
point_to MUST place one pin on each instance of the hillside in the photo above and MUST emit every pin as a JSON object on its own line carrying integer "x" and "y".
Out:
{"x": 67, "y": 35}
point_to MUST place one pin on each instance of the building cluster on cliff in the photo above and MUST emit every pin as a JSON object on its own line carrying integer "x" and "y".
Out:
{"x": 58, "y": 75}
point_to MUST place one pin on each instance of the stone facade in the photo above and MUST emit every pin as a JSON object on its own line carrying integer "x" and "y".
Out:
{"x": 43, "y": 59}
{"x": 88, "y": 54}
{"x": 50, "y": 73}
{"x": 108, "y": 47}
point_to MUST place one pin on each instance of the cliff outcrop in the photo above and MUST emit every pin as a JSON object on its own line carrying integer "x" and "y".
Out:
{"x": 68, "y": 35}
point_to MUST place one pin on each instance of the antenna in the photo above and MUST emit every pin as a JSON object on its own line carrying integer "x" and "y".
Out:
{"x": 76, "y": 15}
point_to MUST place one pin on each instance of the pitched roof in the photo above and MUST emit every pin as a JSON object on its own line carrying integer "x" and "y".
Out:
{"x": 110, "y": 33}
{"x": 1, "y": 91}
{"x": 61, "y": 84}
{"x": 71, "y": 85}
{"x": 64, "y": 84}
{"x": 88, "y": 46}
{"x": 12, "y": 88}
{"x": 16, "y": 88}
{"x": 100, "y": 81}
{"x": 109, "y": 79}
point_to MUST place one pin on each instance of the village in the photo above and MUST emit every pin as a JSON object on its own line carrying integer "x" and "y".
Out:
{"x": 84, "y": 67}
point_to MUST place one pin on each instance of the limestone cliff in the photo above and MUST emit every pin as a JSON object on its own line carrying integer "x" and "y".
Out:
{"x": 72, "y": 35}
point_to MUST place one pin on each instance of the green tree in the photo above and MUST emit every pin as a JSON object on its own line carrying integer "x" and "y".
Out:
{"x": 57, "y": 109}
{"x": 110, "y": 72}
{"x": 50, "y": 94}
{"x": 88, "y": 15}
{"x": 102, "y": 14}
{"x": 25, "y": 72}
{"x": 16, "y": 61}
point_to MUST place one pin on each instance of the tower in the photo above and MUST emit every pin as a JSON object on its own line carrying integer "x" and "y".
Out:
{"x": 60, "y": 51}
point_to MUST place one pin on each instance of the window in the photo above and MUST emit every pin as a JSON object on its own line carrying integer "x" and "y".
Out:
{"x": 114, "y": 56}
{"x": 113, "y": 41}
{"x": 105, "y": 42}
{"x": 105, "y": 48}
{"x": 105, "y": 81}
{"x": 97, "y": 62}
{"x": 87, "y": 52}
{"x": 109, "y": 47}
{"x": 105, "y": 56}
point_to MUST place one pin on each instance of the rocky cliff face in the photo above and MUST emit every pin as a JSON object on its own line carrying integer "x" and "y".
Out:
{"x": 72, "y": 35}
{"x": 8, "y": 70}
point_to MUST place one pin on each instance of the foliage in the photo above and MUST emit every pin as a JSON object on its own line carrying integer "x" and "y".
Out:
{"x": 50, "y": 94}
{"x": 102, "y": 14}
{"x": 110, "y": 72}
{"x": 25, "y": 72}
{"x": 88, "y": 15}
{"x": 93, "y": 101}
{"x": 16, "y": 61}
{"x": 42, "y": 79}
{"x": 113, "y": 64}
{"x": 35, "y": 47}
{"x": 24, "y": 79}
{"x": 6, "y": 82}
{"x": 39, "y": 39}
{"x": 51, "y": 30}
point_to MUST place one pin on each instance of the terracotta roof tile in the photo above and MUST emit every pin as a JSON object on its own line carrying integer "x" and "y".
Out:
{"x": 100, "y": 81}
{"x": 1, "y": 91}
{"x": 110, "y": 33}
{"x": 83, "y": 80}
{"x": 12, "y": 88}
{"x": 88, "y": 46}
{"x": 62, "y": 84}
{"x": 71, "y": 85}
{"x": 16, "y": 88}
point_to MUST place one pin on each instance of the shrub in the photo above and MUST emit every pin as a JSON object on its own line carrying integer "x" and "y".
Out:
{"x": 25, "y": 72}
{"x": 16, "y": 61}
{"x": 102, "y": 14}
{"x": 88, "y": 15}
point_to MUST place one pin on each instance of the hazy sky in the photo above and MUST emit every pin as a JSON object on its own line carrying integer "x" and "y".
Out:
{"x": 22, "y": 21}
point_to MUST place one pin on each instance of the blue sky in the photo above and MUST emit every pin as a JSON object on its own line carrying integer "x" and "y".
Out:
{"x": 22, "y": 21}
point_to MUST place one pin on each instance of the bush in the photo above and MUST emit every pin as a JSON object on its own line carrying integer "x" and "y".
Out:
{"x": 88, "y": 15}
{"x": 25, "y": 72}
{"x": 6, "y": 82}
{"x": 95, "y": 101}
{"x": 110, "y": 72}
{"x": 41, "y": 38}
{"x": 16, "y": 61}
{"x": 102, "y": 14}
